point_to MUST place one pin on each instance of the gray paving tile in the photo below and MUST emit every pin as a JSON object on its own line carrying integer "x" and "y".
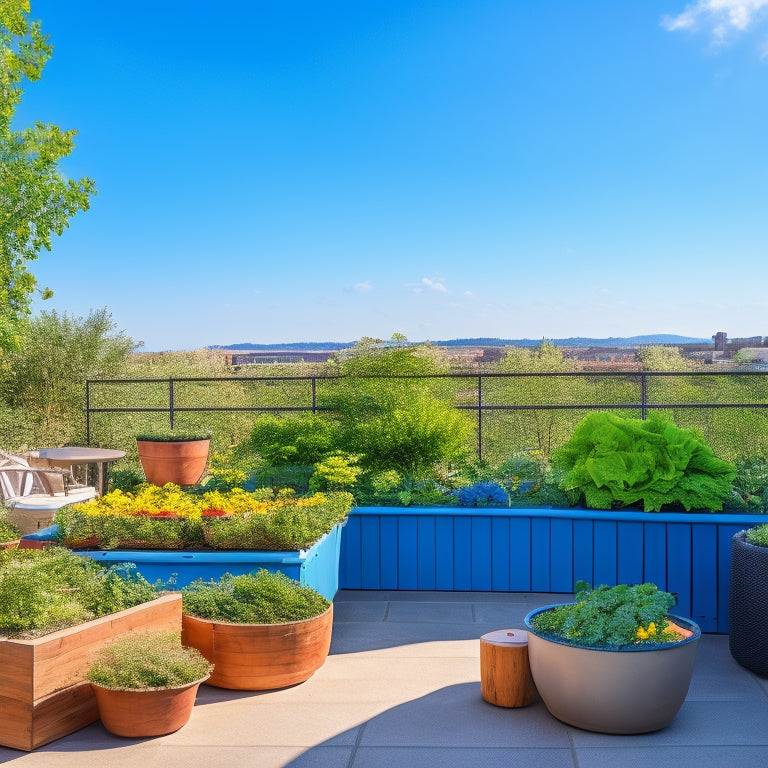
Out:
{"x": 425, "y": 757}
{"x": 726, "y": 756}
{"x": 359, "y": 610}
{"x": 432, "y": 612}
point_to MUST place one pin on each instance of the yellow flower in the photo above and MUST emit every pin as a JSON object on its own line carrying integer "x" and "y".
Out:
{"x": 641, "y": 633}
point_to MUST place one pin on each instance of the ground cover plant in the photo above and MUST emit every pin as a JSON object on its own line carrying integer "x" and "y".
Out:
{"x": 42, "y": 591}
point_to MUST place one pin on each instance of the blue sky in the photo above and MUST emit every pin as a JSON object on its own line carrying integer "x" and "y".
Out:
{"x": 285, "y": 170}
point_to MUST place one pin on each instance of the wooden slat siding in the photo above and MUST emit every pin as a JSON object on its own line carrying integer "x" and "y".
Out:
{"x": 704, "y": 574}
{"x": 501, "y": 557}
{"x": 583, "y": 551}
{"x": 655, "y": 554}
{"x": 541, "y": 554}
{"x": 561, "y": 561}
{"x": 371, "y": 542}
{"x": 389, "y": 552}
{"x": 462, "y": 553}
{"x": 426, "y": 546}
{"x": 605, "y": 550}
{"x": 444, "y": 552}
{"x": 679, "y": 567}
{"x": 520, "y": 554}
{"x": 407, "y": 556}
{"x": 351, "y": 561}
{"x": 481, "y": 554}
{"x": 629, "y": 553}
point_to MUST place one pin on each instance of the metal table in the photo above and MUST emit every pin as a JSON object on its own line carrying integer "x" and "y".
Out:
{"x": 72, "y": 456}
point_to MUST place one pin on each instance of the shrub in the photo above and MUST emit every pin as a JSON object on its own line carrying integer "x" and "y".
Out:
{"x": 337, "y": 472}
{"x": 611, "y": 616}
{"x": 8, "y": 531}
{"x": 260, "y": 598}
{"x": 614, "y": 459}
{"x": 758, "y": 536}
{"x": 300, "y": 440}
{"x": 486, "y": 493}
{"x": 148, "y": 660}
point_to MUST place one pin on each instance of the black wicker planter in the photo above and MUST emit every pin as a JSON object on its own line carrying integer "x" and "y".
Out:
{"x": 748, "y": 605}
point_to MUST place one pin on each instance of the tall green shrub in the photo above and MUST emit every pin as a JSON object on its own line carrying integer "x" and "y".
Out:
{"x": 615, "y": 459}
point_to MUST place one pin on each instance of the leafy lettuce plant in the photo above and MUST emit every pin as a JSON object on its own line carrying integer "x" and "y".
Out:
{"x": 611, "y": 458}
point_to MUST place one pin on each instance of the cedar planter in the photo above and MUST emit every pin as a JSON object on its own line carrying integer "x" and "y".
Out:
{"x": 138, "y": 714}
{"x": 43, "y": 691}
{"x": 181, "y": 462}
{"x": 748, "y": 604}
{"x": 260, "y": 657}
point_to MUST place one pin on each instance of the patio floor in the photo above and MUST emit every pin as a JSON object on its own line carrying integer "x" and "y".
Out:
{"x": 401, "y": 689}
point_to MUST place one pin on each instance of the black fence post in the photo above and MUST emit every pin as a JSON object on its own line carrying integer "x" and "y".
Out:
{"x": 87, "y": 412}
{"x": 314, "y": 394}
{"x": 480, "y": 418}
{"x": 170, "y": 400}
{"x": 643, "y": 395}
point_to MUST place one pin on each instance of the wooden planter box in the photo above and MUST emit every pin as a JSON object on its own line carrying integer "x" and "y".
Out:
{"x": 43, "y": 691}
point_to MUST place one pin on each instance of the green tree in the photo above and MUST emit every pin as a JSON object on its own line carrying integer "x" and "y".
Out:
{"x": 45, "y": 378}
{"x": 36, "y": 198}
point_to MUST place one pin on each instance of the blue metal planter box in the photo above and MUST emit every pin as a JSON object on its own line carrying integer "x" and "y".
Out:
{"x": 316, "y": 567}
{"x": 545, "y": 550}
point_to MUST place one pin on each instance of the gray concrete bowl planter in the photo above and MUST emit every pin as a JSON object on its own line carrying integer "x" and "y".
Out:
{"x": 622, "y": 690}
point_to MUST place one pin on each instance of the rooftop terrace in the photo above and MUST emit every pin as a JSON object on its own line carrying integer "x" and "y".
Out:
{"x": 401, "y": 688}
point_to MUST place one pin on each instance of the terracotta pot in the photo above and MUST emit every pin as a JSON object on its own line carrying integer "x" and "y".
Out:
{"x": 149, "y": 712}
{"x": 260, "y": 657}
{"x": 633, "y": 689}
{"x": 181, "y": 462}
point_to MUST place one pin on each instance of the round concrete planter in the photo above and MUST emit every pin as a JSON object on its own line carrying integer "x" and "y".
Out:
{"x": 628, "y": 690}
{"x": 140, "y": 713}
{"x": 260, "y": 657}
{"x": 748, "y": 604}
{"x": 175, "y": 461}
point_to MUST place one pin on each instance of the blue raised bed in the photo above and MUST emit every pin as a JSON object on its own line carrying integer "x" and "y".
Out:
{"x": 316, "y": 567}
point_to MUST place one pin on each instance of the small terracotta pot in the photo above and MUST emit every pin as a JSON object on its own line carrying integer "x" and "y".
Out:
{"x": 260, "y": 657}
{"x": 149, "y": 712}
{"x": 181, "y": 462}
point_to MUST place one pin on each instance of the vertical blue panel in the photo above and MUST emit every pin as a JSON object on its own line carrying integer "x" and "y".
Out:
{"x": 389, "y": 553}
{"x": 679, "y": 567}
{"x": 724, "y": 540}
{"x": 562, "y": 556}
{"x": 629, "y": 540}
{"x": 520, "y": 554}
{"x": 541, "y": 554}
{"x": 371, "y": 552}
{"x": 606, "y": 555}
{"x": 426, "y": 552}
{"x": 350, "y": 571}
{"x": 444, "y": 553}
{"x": 583, "y": 552}
{"x": 655, "y": 554}
{"x": 705, "y": 576}
{"x": 500, "y": 554}
{"x": 462, "y": 554}
{"x": 481, "y": 554}
{"x": 407, "y": 553}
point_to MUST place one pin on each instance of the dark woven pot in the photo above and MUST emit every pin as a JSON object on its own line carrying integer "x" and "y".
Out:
{"x": 748, "y": 604}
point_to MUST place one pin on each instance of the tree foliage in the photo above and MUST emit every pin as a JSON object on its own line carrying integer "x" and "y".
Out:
{"x": 36, "y": 198}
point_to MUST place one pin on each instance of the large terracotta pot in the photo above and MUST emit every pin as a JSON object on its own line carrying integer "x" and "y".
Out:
{"x": 748, "y": 604}
{"x": 635, "y": 689}
{"x": 149, "y": 712}
{"x": 175, "y": 461}
{"x": 260, "y": 657}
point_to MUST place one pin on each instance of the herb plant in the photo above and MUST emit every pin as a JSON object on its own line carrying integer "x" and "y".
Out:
{"x": 610, "y": 616}
{"x": 758, "y": 536}
{"x": 260, "y": 598}
{"x": 149, "y": 660}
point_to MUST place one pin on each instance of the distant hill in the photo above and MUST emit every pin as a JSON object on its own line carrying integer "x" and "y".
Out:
{"x": 574, "y": 341}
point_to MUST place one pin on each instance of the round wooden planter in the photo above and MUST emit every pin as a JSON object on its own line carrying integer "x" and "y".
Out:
{"x": 149, "y": 712}
{"x": 748, "y": 604}
{"x": 629, "y": 690}
{"x": 181, "y": 462}
{"x": 260, "y": 657}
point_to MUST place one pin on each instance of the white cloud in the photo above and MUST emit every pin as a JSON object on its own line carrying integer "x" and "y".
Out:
{"x": 427, "y": 285}
{"x": 363, "y": 287}
{"x": 721, "y": 16}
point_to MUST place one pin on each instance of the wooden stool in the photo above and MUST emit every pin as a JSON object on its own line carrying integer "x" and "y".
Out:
{"x": 505, "y": 675}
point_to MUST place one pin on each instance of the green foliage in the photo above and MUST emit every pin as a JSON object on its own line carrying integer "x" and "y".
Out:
{"x": 614, "y": 459}
{"x": 36, "y": 197}
{"x": 260, "y": 598}
{"x": 8, "y": 531}
{"x": 299, "y": 440}
{"x": 337, "y": 472}
{"x": 609, "y": 616}
{"x": 751, "y": 481}
{"x": 42, "y": 591}
{"x": 148, "y": 660}
{"x": 172, "y": 436}
{"x": 658, "y": 358}
{"x": 125, "y": 479}
{"x": 758, "y": 535}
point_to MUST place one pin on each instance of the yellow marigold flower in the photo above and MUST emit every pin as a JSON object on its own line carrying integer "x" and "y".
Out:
{"x": 641, "y": 633}
{"x": 652, "y": 628}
